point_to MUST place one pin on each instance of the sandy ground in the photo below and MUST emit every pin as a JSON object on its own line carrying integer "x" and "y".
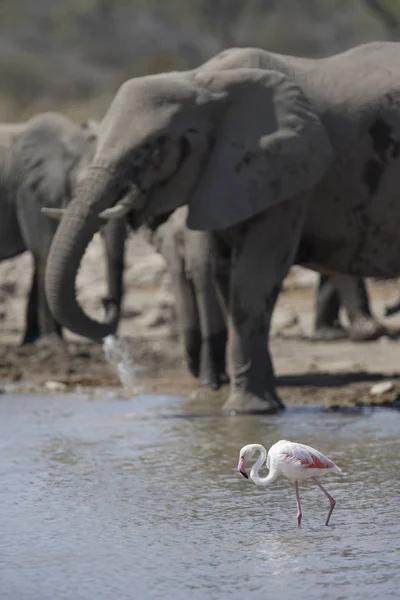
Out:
{"x": 335, "y": 374}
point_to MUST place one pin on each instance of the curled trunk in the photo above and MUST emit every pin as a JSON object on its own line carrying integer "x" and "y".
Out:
{"x": 77, "y": 228}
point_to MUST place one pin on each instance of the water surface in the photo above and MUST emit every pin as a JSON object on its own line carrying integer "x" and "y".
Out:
{"x": 140, "y": 499}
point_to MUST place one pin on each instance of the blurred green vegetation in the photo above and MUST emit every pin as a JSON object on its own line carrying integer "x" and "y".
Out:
{"x": 71, "y": 55}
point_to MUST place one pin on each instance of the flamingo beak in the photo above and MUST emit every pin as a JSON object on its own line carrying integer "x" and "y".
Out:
{"x": 242, "y": 468}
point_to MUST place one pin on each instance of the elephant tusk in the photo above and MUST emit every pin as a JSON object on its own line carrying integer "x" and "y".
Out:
{"x": 53, "y": 213}
{"x": 116, "y": 212}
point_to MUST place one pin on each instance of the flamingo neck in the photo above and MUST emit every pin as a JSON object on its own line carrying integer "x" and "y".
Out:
{"x": 255, "y": 477}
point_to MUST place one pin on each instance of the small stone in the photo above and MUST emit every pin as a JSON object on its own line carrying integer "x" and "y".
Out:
{"x": 381, "y": 388}
{"x": 55, "y": 386}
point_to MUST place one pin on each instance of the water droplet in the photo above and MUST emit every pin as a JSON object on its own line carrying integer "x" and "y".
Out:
{"x": 118, "y": 354}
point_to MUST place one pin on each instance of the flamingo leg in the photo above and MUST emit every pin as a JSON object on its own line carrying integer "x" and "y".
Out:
{"x": 299, "y": 513}
{"x": 331, "y": 500}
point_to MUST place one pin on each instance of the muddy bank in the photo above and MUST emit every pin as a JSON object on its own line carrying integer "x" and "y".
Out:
{"x": 337, "y": 373}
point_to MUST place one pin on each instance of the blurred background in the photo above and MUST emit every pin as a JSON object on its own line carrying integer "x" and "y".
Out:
{"x": 71, "y": 55}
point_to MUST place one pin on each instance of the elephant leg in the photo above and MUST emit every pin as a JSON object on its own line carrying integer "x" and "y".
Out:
{"x": 32, "y": 331}
{"x": 221, "y": 269}
{"x": 327, "y": 305}
{"x": 187, "y": 317}
{"x": 199, "y": 267}
{"x": 37, "y": 231}
{"x": 114, "y": 237}
{"x": 167, "y": 243}
{"x": 354, "y": 297}
{"x": 262, "y": 253}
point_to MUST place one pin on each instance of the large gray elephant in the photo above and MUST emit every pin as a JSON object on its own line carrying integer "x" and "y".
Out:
{"x": 199, "y": 265}
{"x": 197, "y": 269}
{"x": 288, "y": 160}
{"x": 40, "y": 161}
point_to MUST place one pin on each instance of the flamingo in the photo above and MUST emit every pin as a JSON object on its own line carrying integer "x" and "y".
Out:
{"x": 292, "y": 460}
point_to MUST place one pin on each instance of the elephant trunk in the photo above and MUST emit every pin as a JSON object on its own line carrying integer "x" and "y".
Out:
{"x": 79, "y": 224}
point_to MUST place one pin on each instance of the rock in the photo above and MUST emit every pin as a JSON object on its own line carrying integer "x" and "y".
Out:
{"x": 55, "y": 386}
{"x": 381, "y": 388}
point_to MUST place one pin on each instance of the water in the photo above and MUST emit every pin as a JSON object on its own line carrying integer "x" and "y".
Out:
{"x": 117, "y": 353}
{"x": 140, "y": 499}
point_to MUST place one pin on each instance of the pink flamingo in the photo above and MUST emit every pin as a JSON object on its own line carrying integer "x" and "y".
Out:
{"x": 293, "y": 461}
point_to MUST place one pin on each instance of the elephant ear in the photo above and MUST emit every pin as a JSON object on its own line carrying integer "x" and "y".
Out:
{"x": 40, "y": 169}
{"x": 269, "y": 146}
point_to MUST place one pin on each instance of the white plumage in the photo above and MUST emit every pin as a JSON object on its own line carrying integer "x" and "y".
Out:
{"x": 291, "y": 460}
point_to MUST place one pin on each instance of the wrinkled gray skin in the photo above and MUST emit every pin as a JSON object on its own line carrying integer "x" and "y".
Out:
{"x": 40, "y": 161}
{"x": 199, "y": 266}
{"x": 195, "y": 268}
{"x": 288, "y": 160}
{"x": 351, "y": 292}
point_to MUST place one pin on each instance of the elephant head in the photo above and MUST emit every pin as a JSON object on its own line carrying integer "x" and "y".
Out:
{"x": 228, "y": 143}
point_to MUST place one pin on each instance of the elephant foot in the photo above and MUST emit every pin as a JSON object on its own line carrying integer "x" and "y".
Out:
{"x": 366, "y": 329}
{"x": 329, "y": 334}
{"x": 247, "y": 403}
{"x": 214, "y": 381}
{"x": 51, "y": 340}
{"x": 31, "y": 336}
{"x": 47, "y": 339}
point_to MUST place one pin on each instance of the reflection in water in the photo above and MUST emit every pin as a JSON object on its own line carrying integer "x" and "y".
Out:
{"x": 104, "y": 499}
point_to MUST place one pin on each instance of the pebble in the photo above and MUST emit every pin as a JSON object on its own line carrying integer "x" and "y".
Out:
{"x": 55, "y": 386}
{"x": 381, "y": 388}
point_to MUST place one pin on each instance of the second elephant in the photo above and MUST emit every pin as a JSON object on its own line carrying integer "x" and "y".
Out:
{"x": 40, "y": 163}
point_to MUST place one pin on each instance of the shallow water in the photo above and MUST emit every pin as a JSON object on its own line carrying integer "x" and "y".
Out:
{"x": 140, "y": 499}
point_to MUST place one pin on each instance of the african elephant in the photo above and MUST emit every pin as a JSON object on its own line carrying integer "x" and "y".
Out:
{"x": 288, "y": 160}
{"x": 40, "y": 161}
{"x": 351, "y": 292}
{"x": 198, "y": 266}
{"x": 195, "y": 268}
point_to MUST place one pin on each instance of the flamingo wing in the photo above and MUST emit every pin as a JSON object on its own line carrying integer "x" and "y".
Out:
{"x": 304, "y": 456}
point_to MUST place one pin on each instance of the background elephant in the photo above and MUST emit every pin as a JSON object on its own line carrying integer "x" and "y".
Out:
{"x": 195, "y": 266}
{"x": 287, "y": 160}
{"x": 40, "y": 161}
{"x": 334, "y": 291}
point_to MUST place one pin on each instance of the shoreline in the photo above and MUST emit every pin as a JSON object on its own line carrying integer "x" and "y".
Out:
{"x": 331, "y": 374}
